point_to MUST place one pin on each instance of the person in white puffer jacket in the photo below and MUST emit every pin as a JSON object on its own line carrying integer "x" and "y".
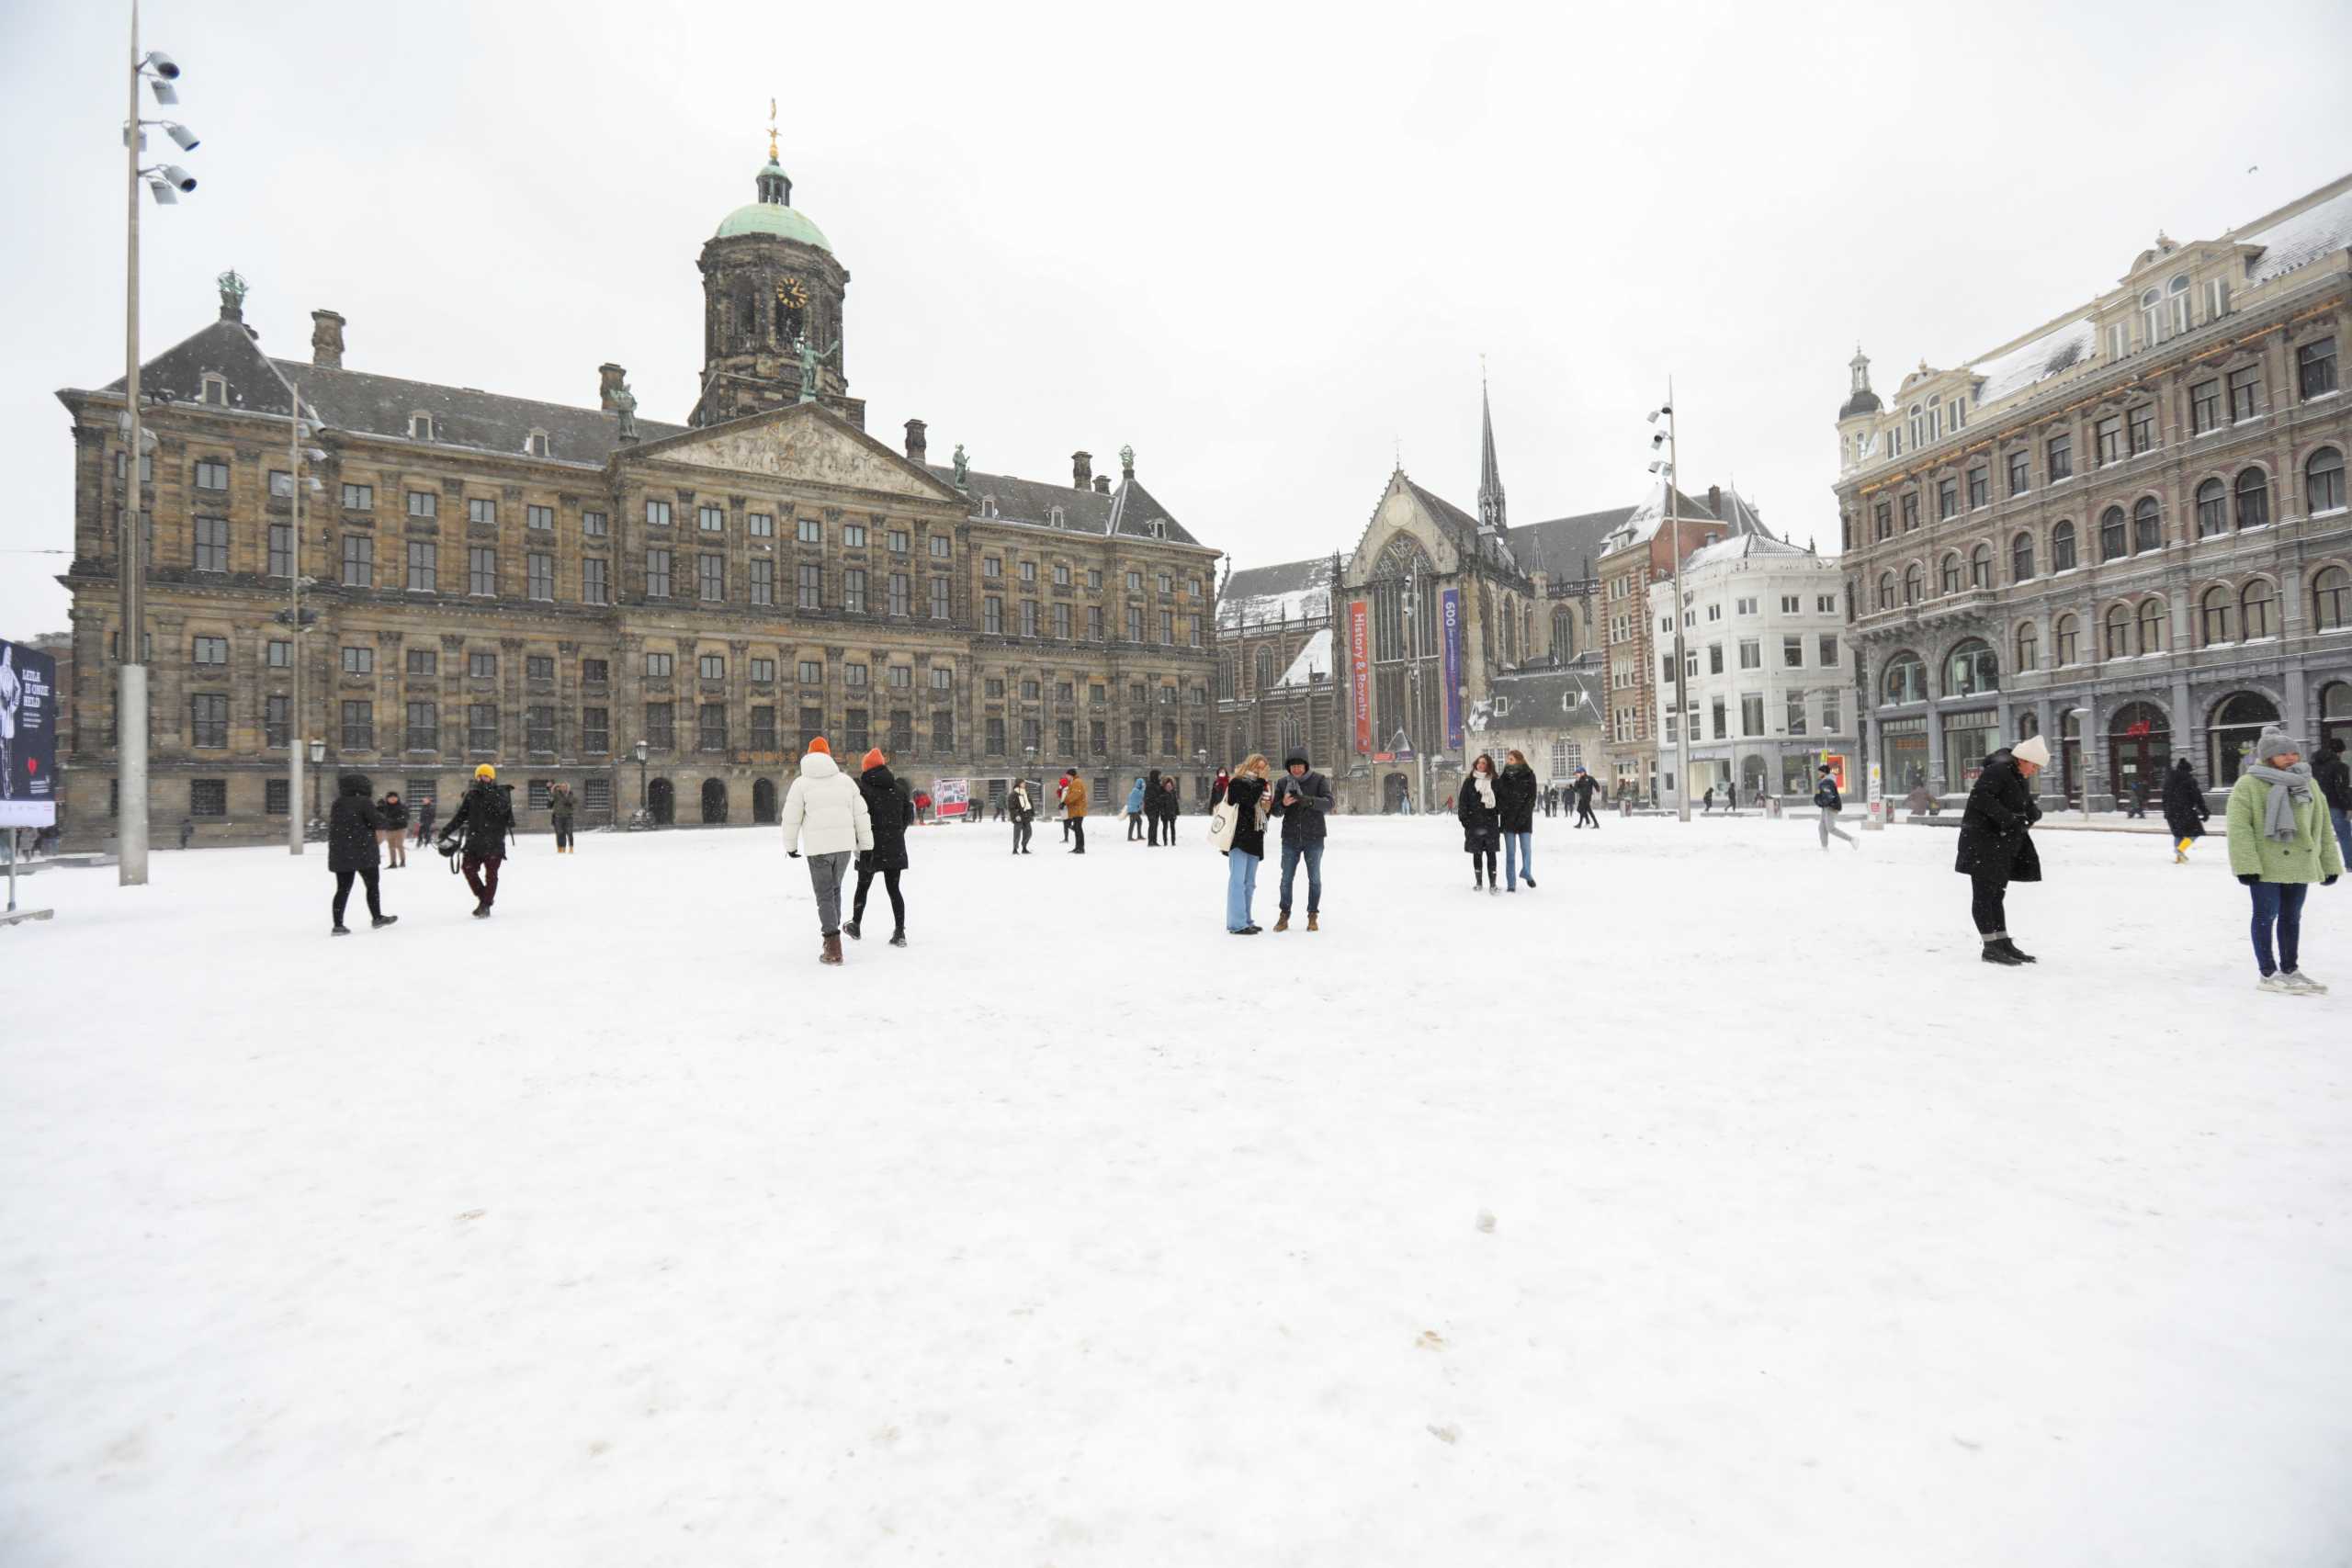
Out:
{"x": 825, "y": 820}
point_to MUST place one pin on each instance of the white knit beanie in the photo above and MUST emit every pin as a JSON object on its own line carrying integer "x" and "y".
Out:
{"x": 2032, "y": 749}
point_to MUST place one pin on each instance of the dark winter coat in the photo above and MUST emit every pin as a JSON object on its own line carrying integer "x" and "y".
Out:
{"x": 887, "y": 804}
{"x": 1248, "y": 832}
{"x": 559, "y": 807}
{"x": 1014, "y": 807}
{"x": 2334, "y": 780}
{"x": 1216, "y": 792}
{"x": 1302, "y": 803}
{"x": 1515, "y": 797}
{"x": 1481, "y": 824}
{"x": 1171, "y": 801}
{"x": 1994, "y": 828}
{"x": 2185, "y": 810}
{"x": 482, "y": 822}
{"x": 1826, "y": 795}
{"x": 1585, "y": 788}
{"x": 391, "y": 812}
{"x": 424, "y": 815}
{"x": 351, "y": 827}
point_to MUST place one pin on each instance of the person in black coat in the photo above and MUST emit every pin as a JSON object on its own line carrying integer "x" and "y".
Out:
{"x": 1995, "y": 842}
{"x": 392, "y": 826}
{"x": 1302, "y": 799}
{"x": 1247, "y": 794}
{"x": 352, "y": 827}
{"x": 425, "y": 812}
{"x": 1515, "y": 807}
{"x": 1022, "y": 807}
{"x": 2185, "y": 811}
{"x": 1477, "y": 808}
{"x": 893, "y": 812}
{"x": 481, "y": 825}
{"x": 2334, "y": 781}
{"x": 1584, "y": 789}
{"x": 1171, "y": 802}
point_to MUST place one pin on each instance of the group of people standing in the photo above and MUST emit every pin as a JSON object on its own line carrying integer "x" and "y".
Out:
{"x": 1498, "y": 813}
{"x": 1243, "y": 805}
{"x": 1153, "y": 801}
{"x": 829, "y": 819}
{"x": 362, "y": 833}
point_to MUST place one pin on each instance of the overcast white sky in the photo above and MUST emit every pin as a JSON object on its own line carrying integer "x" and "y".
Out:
{"x": 1261, "y": 243}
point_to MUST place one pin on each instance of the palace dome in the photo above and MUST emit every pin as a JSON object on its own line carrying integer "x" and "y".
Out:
{"x": 771, "y": 215}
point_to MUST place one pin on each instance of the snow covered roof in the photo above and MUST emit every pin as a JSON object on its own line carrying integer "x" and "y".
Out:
{"x": 1740, "y": 547}
{"x": 1642, "y": 523}
{"x": 2301, "y": 238}
{"x": 1313, "y": 662}
{"x": 1292, "y": 592}
{"x": 2037, "y": 359}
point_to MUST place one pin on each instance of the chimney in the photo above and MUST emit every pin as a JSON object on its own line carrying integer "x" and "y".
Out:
{"x": 326, "y": 339}
{"x": 1715, "y": 501}
{"x": 609, "y": 378}
{"x": 1081, "y": 470}
{"x": 915, "y": 446}
{"x": 1101, "y": 484}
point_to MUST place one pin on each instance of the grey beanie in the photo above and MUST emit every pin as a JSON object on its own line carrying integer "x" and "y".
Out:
{"x": 2274, "y": 743}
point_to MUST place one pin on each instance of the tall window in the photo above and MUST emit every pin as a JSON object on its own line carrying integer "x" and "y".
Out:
{"x": 1028, "y": 617}
{"x": 1980, "y": 489}
{"x": 1947, "y": 499}
{"x": 2021, "y": 471}
{"x": 1980, "y": 567}
{"x": 2245, "y": 387}
{"x": 2205, "y": 406}
{"x": 359, "y": 561}
{"x": 212, "y": 543}
{"x": 710, "y": 577}
{"x": 595, "y": 730}
{"x": 854, "y": 589}
{"x": 1970, "y": 670}
{"x": 541, "y": 575}
{"x": 424, "y": 574}
{"x": 657, "y": 573}
{"x": 2022, "y": 559}
{"x": 2110, "y": 440}
{"x": 2256, "y": 603}
{"x": 281, "y": 549}
{"x": 595, "y": 588}
{"x": 762, "y": 585}
{"x": 2062, "y": 548}
{"x": 2323, "y": 481}
{"x": 2028, "y": 647}
{"x": 538, "y": 728}
{"x": 2315, "y": 367}
{"x": 1950, "y": 573}
{"x": 2110, "y": 534}
{"x": 2068, "y": 640}
{"x": 711, "y": 727}
{"x": 2118, "y": 631}
{"x": 901, "y": 592}
{"x": 2216, "y": 611}
{"x": 809, "y": 586}
{"x": 2254, "y": 498}
{"x": 2332, "y": 599}
{"x": 2147, "y": 526}
{"x": 2144, "y": 428}
{"x": 481, "y": 570}
{"x": 276, "y": 718}
{"x": 1886, "y": 590}
{"x": 939, "y": 594}
{"x": 207, "y": 720}
{"x": 1910, "y": 512}
{"x": 2062, "y": 457}
{"x": 1911, "y": 583}
{"x": 2213, "y": 508}
{"x": 422, "y": 731}
{"x": 358, "y": 726}
{"x": 661, "y": 726}
{"x": 2152, "y": 626}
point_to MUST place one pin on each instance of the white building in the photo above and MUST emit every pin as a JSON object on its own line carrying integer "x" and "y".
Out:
{"x": 1770, "y": 687}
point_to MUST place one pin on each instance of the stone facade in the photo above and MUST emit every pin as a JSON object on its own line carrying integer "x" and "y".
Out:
{"x": 2125, "y": 529}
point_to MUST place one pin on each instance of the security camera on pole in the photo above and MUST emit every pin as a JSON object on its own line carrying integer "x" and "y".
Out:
{"x": 166, "y": 181}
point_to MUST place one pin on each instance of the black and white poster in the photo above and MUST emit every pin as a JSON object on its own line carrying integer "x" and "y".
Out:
{"x": 27, "y": 736}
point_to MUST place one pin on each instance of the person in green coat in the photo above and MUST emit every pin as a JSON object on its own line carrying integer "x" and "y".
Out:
{"x": 2281, "y": 843}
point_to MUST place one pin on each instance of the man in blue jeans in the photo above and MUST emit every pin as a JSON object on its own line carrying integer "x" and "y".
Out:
{"x": 1302, "y": 799}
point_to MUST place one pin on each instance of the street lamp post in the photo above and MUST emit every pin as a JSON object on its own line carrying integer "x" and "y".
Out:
{"x": 318, "y": 755}
{"x": 1681, "y": 678}
{"x": 298, "y": 432}
{"x": 644, "y": 811}
{"x": 131, "y": 699}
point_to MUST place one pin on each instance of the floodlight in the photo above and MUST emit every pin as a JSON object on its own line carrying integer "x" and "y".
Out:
{"x": 164, "y": 92}
{"x": 181, "y": 134}
{"x": 179, "y": 176}
{"x": 163, "y": 64}
{"x": 165, "y": 195}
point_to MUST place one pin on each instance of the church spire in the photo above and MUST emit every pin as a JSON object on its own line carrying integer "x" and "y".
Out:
{"x": 1491, "y": 476}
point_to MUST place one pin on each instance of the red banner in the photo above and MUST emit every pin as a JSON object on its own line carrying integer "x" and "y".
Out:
{"x": 1360, "y": 669}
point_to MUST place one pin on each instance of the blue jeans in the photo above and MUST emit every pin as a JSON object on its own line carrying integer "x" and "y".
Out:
{"x": 2277, "y": 903}
{"x": 1313, "y": 855}
{"x": 2342, "y": 823}
{"x": 1240, "y": 886}
{"x": 1519, "y": 858}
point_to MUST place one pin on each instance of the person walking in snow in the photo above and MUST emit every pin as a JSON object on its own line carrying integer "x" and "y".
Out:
{"x": 561, "y": 806}
{"x": 391, "y": 827}
{"x": 1481, "y": 818}
{"x": 1515, "y": 808}
{"x": 1074, "y": 811}
{"x": 1023, "y": 812}
{"x": 1216, "y": 788}
{"x": 353, "y": 831}
{"x": 889, "y": 813}
{"x": 1995, "y": 842}
{"x": 1140, "y": 795}
{"x": 1302, "y": 799}
{"x": 2185, "y": 810}
{"x": 1825, "y": 796}
{"x": 825, "y": 820}
{"x": 1584, "y": 789}
{"x": 1171, "y": 806}
{"x": 425, "y": 811}
{"x": 2334, "y": 781}
{"x": 1247, "y": 793}
{"x": 2281, "y": 842}
{"x": 1707, "y": 801}
{"x": 480, "y": 826}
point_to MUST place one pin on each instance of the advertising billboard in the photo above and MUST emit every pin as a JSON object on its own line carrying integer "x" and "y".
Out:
{"x": 27, "y": 736}
{"x": 1360, "y": 670}
{"x": 1452, "y": 620}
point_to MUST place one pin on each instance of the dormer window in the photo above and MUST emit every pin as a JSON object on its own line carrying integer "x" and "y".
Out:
{"x": 536, "y": 445}
{"x": 1159, "y": 528}
{"x": 1055, "y": 516}
{"x": 214, "y": 390}
{"x": 988, "y": 506}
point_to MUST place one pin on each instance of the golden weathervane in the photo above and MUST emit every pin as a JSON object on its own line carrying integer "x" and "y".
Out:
{"x": 771, "y": 131}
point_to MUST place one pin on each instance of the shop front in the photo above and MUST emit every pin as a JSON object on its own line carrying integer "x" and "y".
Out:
{"x": 1969, "y": 739}
{"x": 1902, "y": 749}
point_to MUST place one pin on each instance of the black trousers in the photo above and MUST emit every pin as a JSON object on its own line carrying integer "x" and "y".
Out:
{"x": 1134, "y": 827}
{"x": 1985, "y": 903}
{"x": 342, "y": 892}
{"x": 1022, "y": 828}
{"x": 1584, "y": 814}
{"x": 1076, "y": 827}
{"x": 889, "y": 885}
{"x": 563, "y": 834}
{"x": 1483, "y": 858}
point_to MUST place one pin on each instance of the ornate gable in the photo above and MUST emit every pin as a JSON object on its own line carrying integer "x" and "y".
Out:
{"x": 805, "y": 443}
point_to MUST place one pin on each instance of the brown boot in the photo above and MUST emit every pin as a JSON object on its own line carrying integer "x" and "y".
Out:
{"x": 1283, "y": 923}
{"x": 833, "y": 954}
{"x": 1311, "y": 919}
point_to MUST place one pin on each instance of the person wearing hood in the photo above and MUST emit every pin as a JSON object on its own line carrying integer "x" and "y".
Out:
{"x": 1169, "y": 804}
{"x": 1246, "y": 792}
{"x": 2334, "y": 781}
{"x": 1995, "y": 842}
{"x": 2281, "y": 843}
{"x": 1216, "y": 788}
{"x": 1140, "y": 795}
{"x": 352, "y": 829}
{"x": 890, "y": 813}
{"x": 1023, "y": 812}
{"x": 1585, "y": 787}
{"x": 1302, "y": 799}
{"x": 825, "y": 819}
{"x": 392, "y": 826}
{"x": 1478, "y": 809}
{"x": 2185, "y": 811}
{"x": 1515, "y": 808}
{"x": 1830, "y": 803}
{"x": 481, "y": 824}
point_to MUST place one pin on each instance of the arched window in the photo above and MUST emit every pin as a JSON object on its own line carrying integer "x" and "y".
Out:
{"x": 2068, "y": 641}
{"x": 2323, "y": 481}
{"x": 2118, "y": 630}
{"x": 2254, "y": 498}
{"x": 2332, "y": 599}
{"x": 1911, "y": 576}
{"x": 2216, "y": 610}
{"x": 2255, "y": 603}
{"x": 2110, "y": 534}
{"x": 2062, "y": 548}
{"x": 2213, "y": 508}
{"x": 1264, "y": 667}
{"x": 2022, "y": 559}
{"x": 1980, "y": 567}
{"x": 2028, "y": 647}
{"x": 2152, "y": 316}
{"x": 1951, "y": 573}
{"x": 1971, "y": 668}
{"x": 2238, "y": 722}
{"x": 1225, "y": 677}
{"x": 2177, "y": 300}
{"x": 2152, "y": 626}
{"x": 1886, "y": 590}
{"x": 1564, "y": 634}
{"x": 2147, "y": 526}
{"x": 1404, "y": 605}
{"x": 1906, "y": 680}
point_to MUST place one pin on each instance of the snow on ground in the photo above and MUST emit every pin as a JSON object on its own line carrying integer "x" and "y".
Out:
{"x": 616, "y": 1230}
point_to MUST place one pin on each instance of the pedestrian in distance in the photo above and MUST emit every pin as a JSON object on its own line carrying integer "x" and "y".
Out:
{"x": 1515, "y": 806}
{"x": 2334, "y": 780}
{"x": 1170, "y": 806}
{"x": 354, "y": 832}
{"x": 1996, "y": 844}
{"x": 1216, "y": 788}
{"x": 1585, "y": 787}
{"x": 188, "y": 831}
{"x": 825, "y": 821}
{"x": 1023, "y": 812}
{"x": 561, "y": 806}
{"x": 1731, "y": 795}
{"x": 479, "y": 828}
{"x": 1074, "y": 801}
{"x": 1302, "y": 800}
{"x": 2185, "y": 811}
{"x": 889, "y": 814}
{"x": 1707, "y": 801}
{"x": 1551, "y": 800}
{"x": 391, "y": 826}
{"x": 2136, "y": 800}
{"x": 425, "y": 811}
{"x": 1247, "y": 799}
{"x": 1825, "y": 796}
{"x": 2281, "y": 842}
{"x": 1061, "y": 801}
{"x": 1479, "y": 812}
{"x": 1140, "y": 795}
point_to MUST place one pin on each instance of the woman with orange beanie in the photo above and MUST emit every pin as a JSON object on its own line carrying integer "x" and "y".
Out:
{"x": 890, "y": 813}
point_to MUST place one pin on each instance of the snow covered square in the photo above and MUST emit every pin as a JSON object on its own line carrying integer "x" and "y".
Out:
{"x": 1710, "y": 1204}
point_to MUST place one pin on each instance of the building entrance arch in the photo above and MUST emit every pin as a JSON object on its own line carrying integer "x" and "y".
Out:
{"x": 763, "y": 801}
{"x": 660, "y": 802}
{"x": 2139, "y": 749}
{"x": 1396, "y": 793}
{"x": 2239, "y": 720}
{"x": 714, "y": 800}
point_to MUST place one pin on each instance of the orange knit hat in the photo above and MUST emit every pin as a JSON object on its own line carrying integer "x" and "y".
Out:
{"x": 873, "y": 759}
{"x": 818, "y": 745}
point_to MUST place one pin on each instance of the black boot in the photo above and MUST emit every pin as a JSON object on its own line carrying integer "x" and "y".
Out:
{"x": 1997, "y": 952}
{"x": 2010, "y": 943}
{"x": 851, "y": 930}
{"x": 899, "y": 938}
{"x": 381, "y": 921}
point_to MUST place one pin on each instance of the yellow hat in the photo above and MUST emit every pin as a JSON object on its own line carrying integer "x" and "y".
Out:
{"x": 485, "y": 772}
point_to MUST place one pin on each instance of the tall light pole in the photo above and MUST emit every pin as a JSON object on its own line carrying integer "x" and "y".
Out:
{"x": 130, "y": 697}
{"x": 1681, "y": 678}
{"x": 298, "y": 432}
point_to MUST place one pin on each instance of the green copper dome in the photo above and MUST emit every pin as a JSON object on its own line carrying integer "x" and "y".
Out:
{"x": 772, "y": 214}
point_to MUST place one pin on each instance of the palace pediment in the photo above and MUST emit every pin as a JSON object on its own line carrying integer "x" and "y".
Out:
{"x": 805, "y": 443}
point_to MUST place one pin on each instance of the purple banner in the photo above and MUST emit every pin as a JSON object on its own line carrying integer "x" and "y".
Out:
{"x": 1453, "y": 617}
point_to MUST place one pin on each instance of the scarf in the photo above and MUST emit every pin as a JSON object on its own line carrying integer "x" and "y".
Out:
{"x": 2290, "y": 789}
{"x": 1486, "y": 789}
